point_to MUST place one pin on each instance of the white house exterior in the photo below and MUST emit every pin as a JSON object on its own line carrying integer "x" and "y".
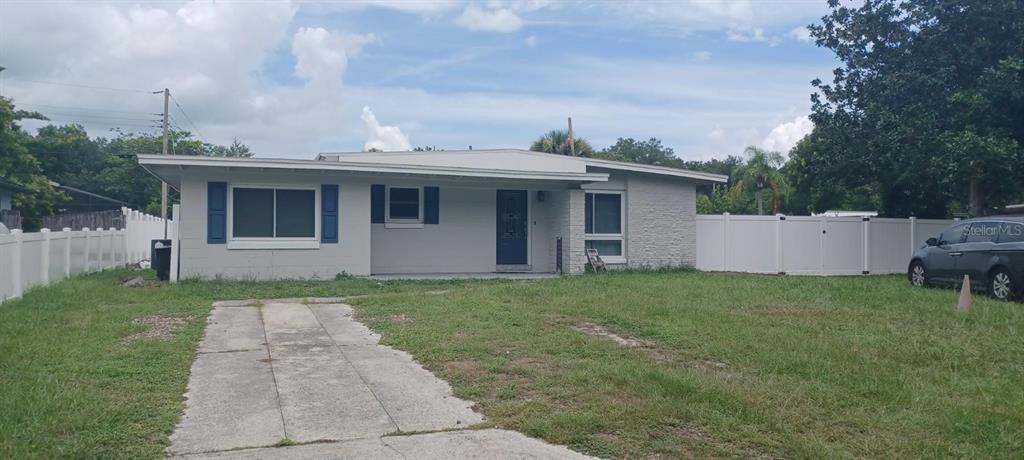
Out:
{"x": 476, "y": 211}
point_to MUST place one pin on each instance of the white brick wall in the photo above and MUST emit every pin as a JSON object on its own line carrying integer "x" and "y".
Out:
{"x": 568, "y": 207}
{"x": 661, "y": 225}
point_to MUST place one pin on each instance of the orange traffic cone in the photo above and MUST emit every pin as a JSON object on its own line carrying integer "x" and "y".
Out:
{"x": 965, "y": 295}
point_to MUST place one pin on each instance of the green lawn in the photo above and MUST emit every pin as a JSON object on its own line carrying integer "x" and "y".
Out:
{"x": 726, "y": 365}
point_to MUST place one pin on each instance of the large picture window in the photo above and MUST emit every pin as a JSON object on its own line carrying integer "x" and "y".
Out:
{"x": 603, "y": 225}
{"x": 405, "y": 204}
{"x": 262, "y": 213}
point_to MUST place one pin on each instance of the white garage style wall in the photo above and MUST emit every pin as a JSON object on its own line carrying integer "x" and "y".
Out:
{"x": 810, "y": 245}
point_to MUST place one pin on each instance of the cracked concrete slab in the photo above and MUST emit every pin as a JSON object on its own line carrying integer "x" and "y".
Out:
{"x": 483, "y": 444}
{"x": 304, "y": 370}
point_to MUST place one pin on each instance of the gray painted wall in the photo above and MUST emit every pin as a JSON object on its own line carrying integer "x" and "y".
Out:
{"x": 350, "y": 255}
{"x": 660, "y": 229}
{"x": 464, "y": 240}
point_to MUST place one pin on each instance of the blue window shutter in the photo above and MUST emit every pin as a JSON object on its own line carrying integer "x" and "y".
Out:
{"x": 431, "y": 205}
{"x": 376, "y": 204}
{"x": 216, "y": 212}
{"x": 329, "y": 213}
{"x": 588, "y": 213}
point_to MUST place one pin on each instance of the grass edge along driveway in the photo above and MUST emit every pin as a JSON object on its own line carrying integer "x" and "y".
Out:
{"x": 717, "y": 364}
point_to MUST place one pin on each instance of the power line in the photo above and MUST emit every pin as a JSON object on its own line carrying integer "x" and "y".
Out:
{"x": 76, "y": 85}
{"x": 105, "y": 117}
{"x": 82, "y": 109}
{"x": 189, "y": 119}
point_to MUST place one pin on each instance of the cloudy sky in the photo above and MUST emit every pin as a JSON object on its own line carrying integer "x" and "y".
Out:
{"x": 291, "y": 79}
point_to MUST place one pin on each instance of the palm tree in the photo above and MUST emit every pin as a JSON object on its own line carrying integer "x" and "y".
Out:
{"x": 760, "y": 174}
{"x": 557, "y": 141}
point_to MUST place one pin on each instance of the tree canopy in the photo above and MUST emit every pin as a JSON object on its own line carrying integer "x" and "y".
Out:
{"x": 557, "y": 141}
{"x": 926, "y": 114}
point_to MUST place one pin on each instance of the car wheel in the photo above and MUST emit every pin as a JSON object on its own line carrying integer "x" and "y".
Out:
{"x": 1000, "y": 284}
{"x": 916, "y": 274}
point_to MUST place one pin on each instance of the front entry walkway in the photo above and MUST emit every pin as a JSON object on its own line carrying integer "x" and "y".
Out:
{"x": 302, "y": 371}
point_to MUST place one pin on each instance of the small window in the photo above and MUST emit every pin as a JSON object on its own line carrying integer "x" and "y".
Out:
{"x": 982, "y": 232}
{"x": 405, "y": 204}
{"x": 1011, "y": 233}
{"x": 273, "y": 213}
{"x": 953, "y": 235}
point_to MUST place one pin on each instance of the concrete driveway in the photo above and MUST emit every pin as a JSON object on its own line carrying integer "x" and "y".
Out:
{"x": 303, "y": 371}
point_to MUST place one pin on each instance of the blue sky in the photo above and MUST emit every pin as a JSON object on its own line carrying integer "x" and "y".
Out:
{"x": 295, "y": 78}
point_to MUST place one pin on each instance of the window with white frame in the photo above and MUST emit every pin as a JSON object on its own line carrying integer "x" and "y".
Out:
{"x": 604, "y": 224}
{"x": 405, "y": 204}
{"x": 273, "y": 214}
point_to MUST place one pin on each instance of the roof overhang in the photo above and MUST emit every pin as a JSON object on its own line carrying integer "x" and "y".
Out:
{"x": 659, "y": 170}
{"x": 170, "y": 169}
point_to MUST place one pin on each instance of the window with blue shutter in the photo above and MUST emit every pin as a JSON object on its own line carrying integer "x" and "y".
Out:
{"x": 431, "y": 205}
{"x": 216, "y": 212}
{"x": 329, "y": 213}
{"x": 377, "y": 204}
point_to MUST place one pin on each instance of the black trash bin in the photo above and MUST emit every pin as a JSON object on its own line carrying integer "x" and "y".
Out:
{"x": 161, "y": 258}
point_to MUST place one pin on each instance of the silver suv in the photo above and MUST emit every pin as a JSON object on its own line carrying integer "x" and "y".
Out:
{"x": 989, "y": 249}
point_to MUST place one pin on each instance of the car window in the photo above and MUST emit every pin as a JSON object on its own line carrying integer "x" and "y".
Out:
{"x": 982, "y": 232}
{"x": 953, "y": 234}
{"x": 1011, "y": 233}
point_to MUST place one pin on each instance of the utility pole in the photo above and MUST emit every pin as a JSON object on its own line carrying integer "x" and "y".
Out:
{"x": 163, "y": 185}
{"x": 572, "y": 143}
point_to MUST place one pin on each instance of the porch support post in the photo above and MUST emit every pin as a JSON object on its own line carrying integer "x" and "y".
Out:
{"x": 573, "y": 244}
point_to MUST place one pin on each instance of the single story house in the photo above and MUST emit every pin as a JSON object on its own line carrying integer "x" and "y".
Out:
{"x": 7, "y": 191}
{"x": 473, "y": 211}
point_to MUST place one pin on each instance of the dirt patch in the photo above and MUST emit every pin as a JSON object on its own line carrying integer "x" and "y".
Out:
{"x": 159, "y": 327}
{"x": 658, "y": 353}
{"x": 470, "y": 368}
{"x": 401, "y": 320}
{"x": 441, "y": 292}
{"x": 597, "y": 330}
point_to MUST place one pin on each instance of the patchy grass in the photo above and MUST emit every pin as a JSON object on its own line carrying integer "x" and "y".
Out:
{"x": 90, "y": 369}
{"x": 634, "y": 365}
{"x": 660, "y": 365}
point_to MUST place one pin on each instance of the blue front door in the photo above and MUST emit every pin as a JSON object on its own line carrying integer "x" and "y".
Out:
{"x": 512, "y": 227}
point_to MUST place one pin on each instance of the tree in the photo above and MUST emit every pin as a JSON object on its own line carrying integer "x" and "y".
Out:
{"x": 758, "y": 177}
{"x": 650, "y": 152}
{"x": 557, "y": 141}
{"x": 928, "y": 107}
{"x": 19, "y": 166}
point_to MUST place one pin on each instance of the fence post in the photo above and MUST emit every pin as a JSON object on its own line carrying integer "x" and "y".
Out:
{"x": 44, "y": 256}
{"x": 780, "y": 267}
{"x": 821, "y": 245}
{"x": 16, "y": 264}
{"x": 866, "y": 269}
{"x": 725, "y": 241}
{"x": 85, "y": 230}
{"x": 113, "y": 247}
{"x": 67, "y": 251}
{"x": 913, "y": 234}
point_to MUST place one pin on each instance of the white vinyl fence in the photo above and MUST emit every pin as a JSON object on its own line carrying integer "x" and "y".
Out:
{"x": 818, "y": 245}
{"x": 35, "y": 259}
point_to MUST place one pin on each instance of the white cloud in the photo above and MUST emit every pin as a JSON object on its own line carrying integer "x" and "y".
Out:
{"x": 801, "y": 34}
{"x": 491, "y": 19}
{"x": 383, "y": 138}
{"x": 716, "y": 134}
{"x": 531, "y": 41}
{"x": 783, "y": 137}
{"x": 746, "y": 34}
{"x": 701, "y": 56}
{"x": 321, "y": 55}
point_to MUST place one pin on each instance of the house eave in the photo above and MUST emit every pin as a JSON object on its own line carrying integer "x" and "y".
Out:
{"x": 659, "y": 170}
{"x": 156, "y": 163}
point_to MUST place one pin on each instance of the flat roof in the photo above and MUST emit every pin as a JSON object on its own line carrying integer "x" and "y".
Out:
{"x": 169, "y": 168}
